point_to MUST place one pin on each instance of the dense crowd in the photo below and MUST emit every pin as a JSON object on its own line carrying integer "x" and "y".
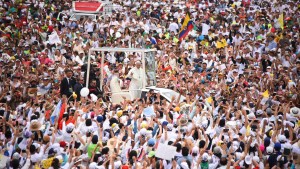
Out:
{"x": 237, "y": 68}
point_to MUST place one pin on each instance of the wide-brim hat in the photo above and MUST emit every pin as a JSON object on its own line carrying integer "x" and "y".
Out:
{"x": 35, "y": 125}
{"x": 183, "y": 121}
{"x": 32, "y": 92}
{"x": 49, "y": 106}
{"x": 295, "y": 111}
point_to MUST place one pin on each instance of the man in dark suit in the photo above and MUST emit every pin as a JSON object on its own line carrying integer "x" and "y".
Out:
{"x": 78, "y": 86}
{"x": 94, "y": 89}
{"x": 67, "y": 84}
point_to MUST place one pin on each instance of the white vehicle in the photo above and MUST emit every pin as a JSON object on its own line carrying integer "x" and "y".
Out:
{"x": 148, "y": 65}
{"x": 164, "y": 93}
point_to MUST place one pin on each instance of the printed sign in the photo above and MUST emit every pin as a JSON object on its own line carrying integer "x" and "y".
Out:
{"x": 165, "y": 152}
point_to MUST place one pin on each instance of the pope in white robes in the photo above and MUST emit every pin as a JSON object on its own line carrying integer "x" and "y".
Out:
{"x": 136, "y": 74}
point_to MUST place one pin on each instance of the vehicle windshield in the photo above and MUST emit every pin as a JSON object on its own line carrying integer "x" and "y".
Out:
{"x": 170, "y": 93}
{"x": 79, "y": 16}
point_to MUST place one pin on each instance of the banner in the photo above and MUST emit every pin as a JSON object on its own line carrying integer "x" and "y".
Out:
{"x": 87, "y": 6}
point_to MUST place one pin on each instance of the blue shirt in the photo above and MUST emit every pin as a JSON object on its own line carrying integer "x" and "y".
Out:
{"x": 272, "y": 45}
{"x": 187, "y": 158}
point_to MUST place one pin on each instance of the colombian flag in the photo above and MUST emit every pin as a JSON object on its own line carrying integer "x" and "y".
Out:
{"x": 185, "y": 22}
{"x": 185, "y": 32}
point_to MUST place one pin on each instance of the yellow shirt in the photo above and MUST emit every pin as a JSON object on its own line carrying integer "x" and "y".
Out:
{"x": 221, "y": 43}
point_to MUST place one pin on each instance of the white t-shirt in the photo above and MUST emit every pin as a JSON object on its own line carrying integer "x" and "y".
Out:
{"x": 89, "y": 26}
{"x": 173, "y": 27}
{"x": 205, "y": 29}
{"x": 237, "y": 40}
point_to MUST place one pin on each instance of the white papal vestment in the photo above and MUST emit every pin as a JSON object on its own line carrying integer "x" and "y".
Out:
{"x": 136, "y": 84}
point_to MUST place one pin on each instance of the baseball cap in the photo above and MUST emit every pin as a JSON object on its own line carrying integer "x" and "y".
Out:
{"x": 16, "y": 155}
{"x": 217, "y": 150}
{"x": 170, "y": 126}
{"x": 93, "y": 165}
{"x": 164, "y": 123}
{"x": 62, "y": 144}
{"x": 269, "y": 150}
{"x": 277, "y": 146}
{"x": 151, "y": 154}
{"x": 51, "y": 151}
{"x": 281, "y": 138}
{"x": 205, "y": 157}
{"x": 151, "y": 142}
{"x": 27, "y": 134}
{"x": 195, "y": 149}
{"x": 70, "y": 127}
{"x": 259, "y": 112}
{"x": 46, "y": 138}
{"x": 99, "y": 118}
{"x": 251, "y": 116}
{"x": 269, "y": 110}
{"x": 256, "y": 158}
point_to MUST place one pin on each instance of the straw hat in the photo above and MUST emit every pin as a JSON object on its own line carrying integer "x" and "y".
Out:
{"x": 35, "y": 125}
{"x": 32, "y": 92}
{"x": 183, "y": 120}
{"x": 49, "y": 106}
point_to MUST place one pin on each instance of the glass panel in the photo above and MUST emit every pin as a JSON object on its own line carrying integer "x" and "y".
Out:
{"x": 150, "y": 68}
{"x": 79, "y": 16}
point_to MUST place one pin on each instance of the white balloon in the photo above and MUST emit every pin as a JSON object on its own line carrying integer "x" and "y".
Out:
{"x": 84, "y": 92}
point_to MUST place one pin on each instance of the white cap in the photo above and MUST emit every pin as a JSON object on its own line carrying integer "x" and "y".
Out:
{"x": 269, "y": 150}
{"x": 256, "y": 158}
{"x": 251, "y": 116}
{"x": 281, "y": 138}
{"x": 184, "y": 165}
{"x": 205, "y": 157}
{"x": 93, "y": 165}
{"x": 195, "y": 149}
{"x": 118, "y": 164}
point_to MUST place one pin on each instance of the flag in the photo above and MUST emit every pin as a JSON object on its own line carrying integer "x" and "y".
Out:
{"x": 186, "y": 31}
{"x": 266, "y": 94}
{"x": 280, "y": 20}
{"x": 56, "y": 112}
{"x": 185, "y": 22}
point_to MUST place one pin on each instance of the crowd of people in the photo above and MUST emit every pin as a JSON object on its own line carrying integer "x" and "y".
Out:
{"x": 237, "y": 70}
